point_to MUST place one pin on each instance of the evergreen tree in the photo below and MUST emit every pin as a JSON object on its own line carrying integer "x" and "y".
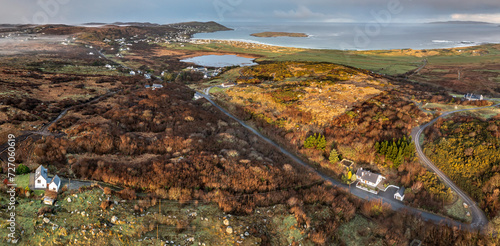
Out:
{"x": 334, "y": 156}
{"x": 22, "y": 169}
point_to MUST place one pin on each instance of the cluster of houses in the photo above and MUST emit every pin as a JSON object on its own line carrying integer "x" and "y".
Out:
{"x": 207, "y": 73}
{"x": 68, "y": 41}
{"x": 170, "y": 37}
{"x": 42, "y": 181}
{"x": 139, "y": 72}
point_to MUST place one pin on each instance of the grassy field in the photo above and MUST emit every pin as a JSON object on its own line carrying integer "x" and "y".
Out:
{"x": 457, "y": 210}
{"x": 78, "y": 218}
{"x": 359, "y": 231}
{"x": 390, "y": 62}
{"x": 23, "y": 180}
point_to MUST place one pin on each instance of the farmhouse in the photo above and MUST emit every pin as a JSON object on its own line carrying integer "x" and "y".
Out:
{"x": 157, "y": 86}
{"x": 368, "y": 178}
{"x": 472, "y": 97}
{"x": 41, "y": 178}
{"x": 400, "y": 194}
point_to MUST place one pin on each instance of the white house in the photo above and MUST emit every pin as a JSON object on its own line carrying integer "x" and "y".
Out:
{"x": 400, "y": 194}
{"x": 369, "y": 178}
{"x": 55, "y": 184}
{"x": 157, "y": 86}
{"x": 132, "y": 72}
{"x": 41, "y": 178}
{"x": 472, "y": 97}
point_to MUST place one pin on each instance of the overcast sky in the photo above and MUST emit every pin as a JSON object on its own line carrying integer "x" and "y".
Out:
{"x": 169, "y": 11}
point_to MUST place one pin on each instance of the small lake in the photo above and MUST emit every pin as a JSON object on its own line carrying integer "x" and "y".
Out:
{"x": 220, "y": 61}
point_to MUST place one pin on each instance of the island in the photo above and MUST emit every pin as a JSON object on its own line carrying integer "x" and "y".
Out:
{"x": 461, "y": 22}
{"x": 279, "y": 34}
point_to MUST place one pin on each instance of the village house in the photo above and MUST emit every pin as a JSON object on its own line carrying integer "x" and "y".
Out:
{"x": 472, "y": 97}
{"x": 368, "y": 178}
{"x": 41, "y": 178}
{"x": 55, "y": 184}
{"x": 157, "y": 86}
{"x": 400, "y": 194}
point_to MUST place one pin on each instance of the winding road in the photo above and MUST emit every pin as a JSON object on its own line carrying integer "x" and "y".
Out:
{"x": 479, "y": 222}
{"x": 43, "y": 131}
{"x": 479, "y": 219}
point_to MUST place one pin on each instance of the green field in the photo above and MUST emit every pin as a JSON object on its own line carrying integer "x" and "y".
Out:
{"x": 390, "y": 62}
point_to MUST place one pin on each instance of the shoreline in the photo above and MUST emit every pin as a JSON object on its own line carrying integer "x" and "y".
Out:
{"x": 312, "y": 48}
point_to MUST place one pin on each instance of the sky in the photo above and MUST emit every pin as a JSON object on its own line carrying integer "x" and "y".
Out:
{"x": 226, "y": 11}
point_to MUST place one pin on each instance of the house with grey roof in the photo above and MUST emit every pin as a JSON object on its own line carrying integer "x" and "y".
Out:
{"x": 368, "y": 178}
{"x": 55, "y": 183}
{"x": 400, "y": 194}
{"x": 157, "y": 86}
{"x": 41, "y": 178}
{"x": 472, "y": 97}
{"x": 41, "y": 181}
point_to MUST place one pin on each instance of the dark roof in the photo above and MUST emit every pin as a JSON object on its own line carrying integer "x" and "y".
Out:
{"x": 56, "y": 180}
{"x": 367, "y": 175}
{"x": 401, "y": 191}
{"x": 41, "y": 171}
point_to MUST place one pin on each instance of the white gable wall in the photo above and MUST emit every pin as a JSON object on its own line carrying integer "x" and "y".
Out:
{"x": 53, "y": 186}
{"x": 40, "y": 183}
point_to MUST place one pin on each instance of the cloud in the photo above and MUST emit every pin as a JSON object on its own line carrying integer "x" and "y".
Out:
{"x": 495, "y": 18}
{"x": 302, "y": 12}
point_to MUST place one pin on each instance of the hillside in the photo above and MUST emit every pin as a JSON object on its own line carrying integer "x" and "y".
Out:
{"x": 352, "y": 111}
{"x": 169, "y": 168}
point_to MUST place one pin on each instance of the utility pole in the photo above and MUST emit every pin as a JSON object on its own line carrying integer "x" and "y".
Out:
{"x": 458, "y": 74}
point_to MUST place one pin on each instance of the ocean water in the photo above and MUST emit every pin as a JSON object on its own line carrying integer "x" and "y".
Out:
{"x": 364, "y": 36}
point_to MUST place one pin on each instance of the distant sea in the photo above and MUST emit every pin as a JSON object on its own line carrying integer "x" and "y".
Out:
{"x": 364, "y": 36}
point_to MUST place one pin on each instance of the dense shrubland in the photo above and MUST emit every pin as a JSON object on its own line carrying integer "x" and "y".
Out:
{"x": 467, "y": 150}
{"x": 278, "y": 106}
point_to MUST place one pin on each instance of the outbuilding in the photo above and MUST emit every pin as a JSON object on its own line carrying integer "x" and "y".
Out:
{"x": 400, "y": 194}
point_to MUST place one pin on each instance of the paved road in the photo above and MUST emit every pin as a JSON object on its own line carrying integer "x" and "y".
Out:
{"x": 479, "y": 220}
{"x": 385, "y": 197}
